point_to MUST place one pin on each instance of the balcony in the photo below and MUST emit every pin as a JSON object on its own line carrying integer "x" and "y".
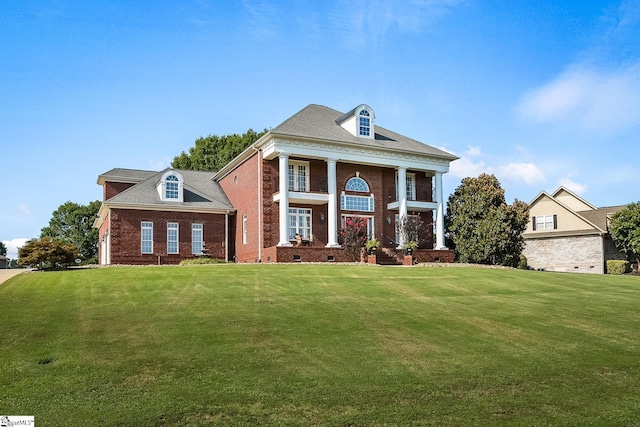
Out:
{"x": 317, "y": 194}
{"x": 419, "y": 202}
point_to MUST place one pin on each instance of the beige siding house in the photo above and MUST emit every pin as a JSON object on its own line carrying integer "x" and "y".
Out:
{"x": 567, "y": 233}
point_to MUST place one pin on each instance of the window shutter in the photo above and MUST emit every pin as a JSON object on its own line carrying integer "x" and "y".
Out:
{"x": 555, "y": 222}
{"x": 533, "y": 221}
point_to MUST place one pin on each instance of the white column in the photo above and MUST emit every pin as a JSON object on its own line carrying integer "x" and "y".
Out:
{"x": 283, "y": 171}
{"x": 332, "y": 206}
{"x": 439, "y": 213}
{"x": 402, "y": 199}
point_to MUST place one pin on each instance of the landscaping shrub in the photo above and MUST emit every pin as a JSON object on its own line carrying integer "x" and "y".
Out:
{"x": 615, "y": 266}
{"x": 522, "y": 264}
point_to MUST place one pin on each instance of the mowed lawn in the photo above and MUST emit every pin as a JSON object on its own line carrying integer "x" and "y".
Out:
{"x": 333, "y": 345}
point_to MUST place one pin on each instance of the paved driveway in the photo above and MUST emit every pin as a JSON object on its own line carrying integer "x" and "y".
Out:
{"x": 9, "y": 273}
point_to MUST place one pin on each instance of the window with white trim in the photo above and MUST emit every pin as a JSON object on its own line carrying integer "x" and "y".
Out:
{"x": 146, "y": 237}
{"x": 357, "y": 184}
{"x": 196, "y": 239}
{"x": 364, "y": 123}
{"x": 410, "y": 186}
{"x": 368, "y": 220}
{"x": 172, "y": 189}
{"x": 356, "y": 203}
{"x": 244, "y": 229}
{"x": 299, "y": 223}
{"x": 172, "y": 238}
{"x": 545, "y": 222}
{"x": 298, "y": 176}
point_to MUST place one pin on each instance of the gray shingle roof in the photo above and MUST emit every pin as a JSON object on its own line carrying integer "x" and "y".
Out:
{"x": 599, "y": 216}
{"x": 320, "y": 122}
{"x": 200, "y": 191}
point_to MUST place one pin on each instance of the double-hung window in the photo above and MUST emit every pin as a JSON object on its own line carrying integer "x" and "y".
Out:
{"x": 299, "y": 223}
{"x": 545, "y": 222}
{"x": 196, "y": 239}
{"x": 298, "y": 177}
{"x": 146, "y": 241}
{"x": 172, "y": 238}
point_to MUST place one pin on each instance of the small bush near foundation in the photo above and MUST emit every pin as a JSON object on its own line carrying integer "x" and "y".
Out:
{"x": 202, "y": 261}
{"x": 522, "y": 264}
{"x": 615, "y": 266}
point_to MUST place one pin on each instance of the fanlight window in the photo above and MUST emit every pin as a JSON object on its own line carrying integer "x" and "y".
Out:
{"x": 172, "y": 188}
{"x": 357, "y": 184}
{"x": 364, "y": 121}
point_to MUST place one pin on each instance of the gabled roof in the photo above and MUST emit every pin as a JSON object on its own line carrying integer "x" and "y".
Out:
{"x": 125, "y": 175}
{"x": 320, "y": 122}
{"x": 596, "y": 218}
{"x": 200, "y": 191}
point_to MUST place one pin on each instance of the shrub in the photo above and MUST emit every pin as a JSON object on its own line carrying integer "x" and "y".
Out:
{"x": 522, "y": 264}
{"x": 372, "y": 244}
{"x": 616, "y": 266}
{"x": 47, "y": 253}
{"x": 202, "y": 261}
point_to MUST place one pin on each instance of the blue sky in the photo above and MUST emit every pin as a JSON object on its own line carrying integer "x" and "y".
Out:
{"x": 541, "y": 94}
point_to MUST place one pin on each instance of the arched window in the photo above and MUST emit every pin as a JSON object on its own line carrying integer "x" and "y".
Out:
{"x": 364, "y": 123}
{"x": 172, "y": 187}
{"x": 357, "y": 184}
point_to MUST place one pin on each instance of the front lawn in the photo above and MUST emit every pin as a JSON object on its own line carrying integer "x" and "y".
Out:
{"x": 333, "y": 345}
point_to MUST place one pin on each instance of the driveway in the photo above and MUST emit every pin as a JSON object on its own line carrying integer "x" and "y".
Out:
{"x": 9, "y": 273}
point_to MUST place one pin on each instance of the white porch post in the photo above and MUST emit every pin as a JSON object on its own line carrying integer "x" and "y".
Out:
{"x": 283, "y": 172}
{"x": 332, "y": 206}
{"x": 402, "y": 199}
{"x": 440, "y": 213}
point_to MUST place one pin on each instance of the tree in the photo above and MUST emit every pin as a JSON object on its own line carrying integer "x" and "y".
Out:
{"x": 72, "y": 224}
{"x": 481, "y": 227}
{"x": 3, "y": 249}
{"x": 212, "y": 152}
{"x": 47, "y": 253}
{"x": 625, "y": 230}
{"x": 353, "y": 236}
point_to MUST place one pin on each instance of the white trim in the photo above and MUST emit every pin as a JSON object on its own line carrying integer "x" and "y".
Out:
{"x": 177, "y": 242}
{"x": 201, "y": 229}
{"x": 149, "y": 226}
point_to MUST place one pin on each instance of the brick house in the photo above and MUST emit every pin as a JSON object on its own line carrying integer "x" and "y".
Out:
{"x": 285, "y": 197}
{"x": 567, "y": 233}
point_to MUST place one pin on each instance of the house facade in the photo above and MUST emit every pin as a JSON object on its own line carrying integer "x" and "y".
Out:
{"x": 567, "y": 233}
{"x": 286, "y": 197}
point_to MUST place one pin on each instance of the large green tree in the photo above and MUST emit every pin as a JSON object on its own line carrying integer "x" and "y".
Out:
{"x": 47, "y": 253}
{"x": 72, "y": 224}
{"x": 212, "y": 152}
{"x": 625, "y": 230}
{"x": 3, "y": 249}
{"x": 481, "y": 227}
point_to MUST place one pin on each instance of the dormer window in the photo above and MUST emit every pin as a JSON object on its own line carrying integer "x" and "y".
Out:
{"x": 171, "y": 191}
{"x": 171, "y": 186}
{"x": 364, "y": 128}
{"x": 359, "y": 122}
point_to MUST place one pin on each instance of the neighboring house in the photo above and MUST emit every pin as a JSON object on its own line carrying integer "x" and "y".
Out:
{"x": 4, "y": 262}
{"x": 567, "y": 233}
{"x": 285, "y": 197}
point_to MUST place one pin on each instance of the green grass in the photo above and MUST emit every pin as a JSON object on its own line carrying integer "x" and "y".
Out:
{"x": 320, "y": 345}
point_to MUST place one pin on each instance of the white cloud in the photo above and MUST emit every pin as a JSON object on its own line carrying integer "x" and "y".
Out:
{"x": 474, "y": 162}
{"x": 13, "y": 246}
{"x": 530, "y": 173}
{"x": 573, "y": 186}
{"x": 588, "y": 98}
{"x": 372, "y": 19}
{"x": 25, "y": 209}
